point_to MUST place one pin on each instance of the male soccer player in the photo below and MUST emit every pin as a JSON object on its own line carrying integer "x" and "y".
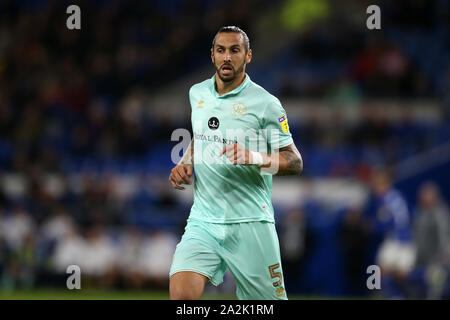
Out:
{"x": 231, "y": 223}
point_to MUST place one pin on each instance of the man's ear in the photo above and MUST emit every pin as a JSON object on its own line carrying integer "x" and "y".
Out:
{"x": 212, "y": 55}
{"x": 248, "y": 58}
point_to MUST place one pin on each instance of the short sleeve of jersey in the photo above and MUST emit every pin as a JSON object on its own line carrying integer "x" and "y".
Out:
{"x": 275, "y": 123}
{"x": 191, "y": 95}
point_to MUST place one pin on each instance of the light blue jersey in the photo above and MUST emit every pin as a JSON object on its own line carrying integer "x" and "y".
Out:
{"x": 249, "y": 115}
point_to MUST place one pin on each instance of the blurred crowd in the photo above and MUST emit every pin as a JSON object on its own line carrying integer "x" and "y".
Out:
{"x": 84, "y": 155}
{"x": 410, "y": 243}
{"x": 39, "y": 254}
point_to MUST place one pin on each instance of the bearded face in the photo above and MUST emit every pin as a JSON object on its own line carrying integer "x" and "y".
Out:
{"x": 227, "y": 72}
{"x": 229, "y": 56}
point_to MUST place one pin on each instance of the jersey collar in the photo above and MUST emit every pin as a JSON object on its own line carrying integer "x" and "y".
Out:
{"x": 233, "y": 92}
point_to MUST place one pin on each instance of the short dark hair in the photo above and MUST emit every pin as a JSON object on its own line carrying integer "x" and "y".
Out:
{"x": 233, "y": 29}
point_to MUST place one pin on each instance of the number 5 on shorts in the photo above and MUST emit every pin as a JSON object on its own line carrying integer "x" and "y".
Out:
{"x": 274, "y": 274}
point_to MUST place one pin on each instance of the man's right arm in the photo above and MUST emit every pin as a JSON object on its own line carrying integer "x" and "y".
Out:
{"x": 182, "y": 172}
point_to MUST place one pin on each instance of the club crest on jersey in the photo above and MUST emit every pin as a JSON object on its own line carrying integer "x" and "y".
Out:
{"x": 284, "y": 123}
{"x": 238, "y": 109}
{"x": 200, "y": 104}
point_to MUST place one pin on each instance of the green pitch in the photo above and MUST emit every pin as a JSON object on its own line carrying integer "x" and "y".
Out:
{"x": 92, "y": 294}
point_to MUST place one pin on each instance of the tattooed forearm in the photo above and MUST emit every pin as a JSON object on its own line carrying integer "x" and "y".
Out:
{"x": 287, "y": 161}
{"x": 290, "y": 161}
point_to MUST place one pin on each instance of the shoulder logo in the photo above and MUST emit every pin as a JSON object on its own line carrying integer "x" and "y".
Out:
{"x": 200, "y": 104}
{"x": 238, "y": 109}
{"x": 283, "y": 123}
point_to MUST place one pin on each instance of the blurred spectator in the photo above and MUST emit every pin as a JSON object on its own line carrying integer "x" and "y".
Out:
{"x": 68, "y": 251}
{"x": 98, "y": 260}
{"x": 155, "y": 257}
{"x": 396, "y": 254}
{"x": 128, "y": 263}
{"x": 432, "y": 239}
{"x": 296, "y": 241}
{"x": 57, "y": 226}
{"x": 16, "y": 228}
{"x": 393, "y": 76}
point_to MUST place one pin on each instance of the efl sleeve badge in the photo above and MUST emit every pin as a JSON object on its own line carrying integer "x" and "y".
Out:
{"x": 284, "y": 123}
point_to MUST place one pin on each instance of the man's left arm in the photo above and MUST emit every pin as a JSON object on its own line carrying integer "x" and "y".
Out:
{"x": 287, "y": 161}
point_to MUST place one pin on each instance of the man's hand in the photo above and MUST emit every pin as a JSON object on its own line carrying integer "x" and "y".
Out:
{"x": 237, "y": 154}
{"x": 180, "y": 174}
{"x": 287, "y": 161}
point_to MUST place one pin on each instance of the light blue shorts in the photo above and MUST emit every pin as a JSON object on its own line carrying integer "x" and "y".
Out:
{"x": 250, "y": 250}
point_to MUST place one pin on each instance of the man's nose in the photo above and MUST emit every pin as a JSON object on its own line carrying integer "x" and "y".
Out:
{"x": 227, "y": 56}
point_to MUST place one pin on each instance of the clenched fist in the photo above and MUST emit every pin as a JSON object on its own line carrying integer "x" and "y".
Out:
{"x": 237, "y": 154}
{"x": 180, "y": 174}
